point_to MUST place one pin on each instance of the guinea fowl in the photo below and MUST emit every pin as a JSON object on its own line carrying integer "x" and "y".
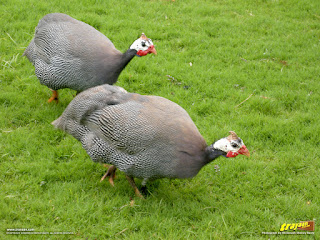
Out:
{"x": 147, "y": 137}
{"x": 68, "y": 53}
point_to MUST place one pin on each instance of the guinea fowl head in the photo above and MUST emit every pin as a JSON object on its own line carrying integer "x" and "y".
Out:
{"x": 143, "y": 46}
{"x": 230, "y": 146}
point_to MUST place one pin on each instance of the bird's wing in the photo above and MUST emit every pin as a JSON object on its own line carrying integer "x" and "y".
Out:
{"x": 63, "y": 35}
{"x": 122, "y": 125}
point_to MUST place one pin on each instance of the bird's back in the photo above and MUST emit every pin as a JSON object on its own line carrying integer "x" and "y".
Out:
{"x": 144, "y": 136}
{"x": 70, "y": 53}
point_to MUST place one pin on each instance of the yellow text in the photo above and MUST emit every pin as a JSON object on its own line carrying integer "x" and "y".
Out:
{"x": 293, "y": 226}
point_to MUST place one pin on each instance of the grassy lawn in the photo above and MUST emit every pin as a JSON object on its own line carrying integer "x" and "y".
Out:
{"x": 242, "y": 65}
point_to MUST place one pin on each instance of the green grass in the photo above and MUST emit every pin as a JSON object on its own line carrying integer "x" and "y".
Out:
{"x": 255, "y": 70}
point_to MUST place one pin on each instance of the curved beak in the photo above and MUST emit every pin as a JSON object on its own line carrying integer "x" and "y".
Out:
{"x": 152, "y": 50}
{"x": 244, "y": 151}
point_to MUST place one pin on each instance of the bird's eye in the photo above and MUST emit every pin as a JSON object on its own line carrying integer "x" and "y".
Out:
{"x": 234, "y": 145}
{"x": 143, "y": 44}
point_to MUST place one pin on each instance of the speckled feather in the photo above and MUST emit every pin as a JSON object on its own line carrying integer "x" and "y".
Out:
{"x": 144, "y": 136}
{"x": 68, "y": 53}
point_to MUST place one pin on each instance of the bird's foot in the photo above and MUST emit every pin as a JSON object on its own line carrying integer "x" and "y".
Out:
{"x": 111, "y": 173}
{"x": 54, "y": 96}
{"x": 134, "y": 186}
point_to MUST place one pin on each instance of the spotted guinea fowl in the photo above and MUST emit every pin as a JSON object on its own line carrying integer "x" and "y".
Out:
{"x": 68, "y": 53}
{"x": 147, "y": 137}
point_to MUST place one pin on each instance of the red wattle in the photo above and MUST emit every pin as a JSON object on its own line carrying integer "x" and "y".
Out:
{"x": 232, "y": 154}
{"x": 150, "y": 49}
{"x": 142, "y": 53}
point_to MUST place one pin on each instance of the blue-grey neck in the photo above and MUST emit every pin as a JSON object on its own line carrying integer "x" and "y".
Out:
{"x": 118, "y": 65}
{"x": 212, "y": 153}
{"x": 126, "y": 58}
